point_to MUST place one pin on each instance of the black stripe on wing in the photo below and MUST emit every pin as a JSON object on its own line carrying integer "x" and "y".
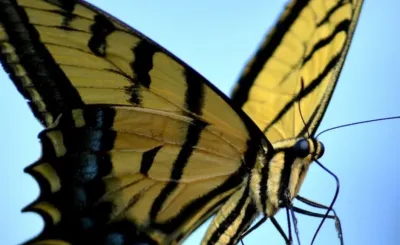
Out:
{"x": 46, "y": 76}
{"x": 246, "y": 82}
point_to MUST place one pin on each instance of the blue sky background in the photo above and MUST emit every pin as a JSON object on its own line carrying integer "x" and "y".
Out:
{"x": 217, "y": 38}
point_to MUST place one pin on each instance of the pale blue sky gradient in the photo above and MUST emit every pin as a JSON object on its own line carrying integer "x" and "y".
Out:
{"x": 217, "y": 38}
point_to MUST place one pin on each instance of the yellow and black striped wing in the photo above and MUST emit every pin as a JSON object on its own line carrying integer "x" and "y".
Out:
{"x": 286, "y": 87}
{"x": 138, "y": 146}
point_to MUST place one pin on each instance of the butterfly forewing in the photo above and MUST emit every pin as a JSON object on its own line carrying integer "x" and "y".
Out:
{"x": 287, "y": 85}
{"x": 137, "y": 142}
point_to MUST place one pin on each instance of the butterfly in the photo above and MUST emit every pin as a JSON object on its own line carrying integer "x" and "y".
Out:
{"x": 135, "y": 102}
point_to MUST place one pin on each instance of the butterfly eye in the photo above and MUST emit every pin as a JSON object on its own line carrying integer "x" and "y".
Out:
{"x": 302, "y": 148}
{"x": 321, "y": 150}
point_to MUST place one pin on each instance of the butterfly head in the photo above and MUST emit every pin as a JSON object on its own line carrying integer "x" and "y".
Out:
{"x": 275, "y": 182}
{"x": 302, "y": 153}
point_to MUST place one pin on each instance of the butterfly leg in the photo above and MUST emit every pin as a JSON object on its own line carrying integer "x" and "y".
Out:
{"x": 255, "y": 226}
{"x": 296, "y": 229}
{"x": 318, "y": 215}
{"x": 280, "y": 230}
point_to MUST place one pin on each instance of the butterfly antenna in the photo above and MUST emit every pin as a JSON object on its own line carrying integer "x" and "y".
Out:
{"x": 298, "y": 104}
{"x": 356, "y": 123}
{"x": 333, "y": 200}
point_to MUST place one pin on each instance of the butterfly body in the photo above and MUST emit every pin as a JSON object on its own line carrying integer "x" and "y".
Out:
{"x": 76, "y": 169}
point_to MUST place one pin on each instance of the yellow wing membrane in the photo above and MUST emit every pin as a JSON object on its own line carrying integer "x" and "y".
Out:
{"x": 287, "y": 85}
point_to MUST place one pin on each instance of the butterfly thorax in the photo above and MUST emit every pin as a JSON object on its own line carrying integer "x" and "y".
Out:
{"x": 274, "y": 183}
